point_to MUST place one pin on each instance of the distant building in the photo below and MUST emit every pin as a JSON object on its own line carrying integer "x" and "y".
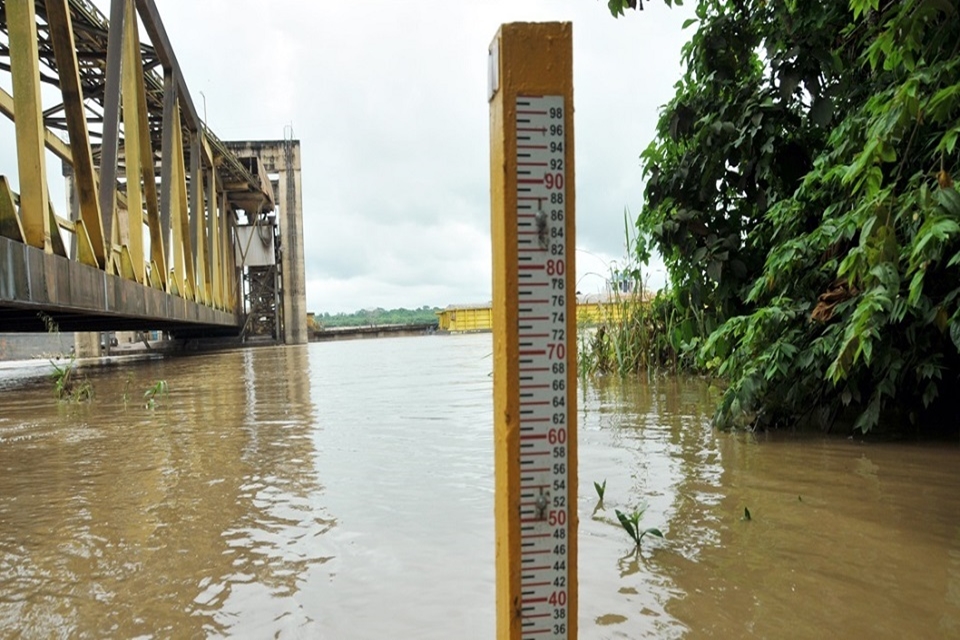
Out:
{"x": 466, "y": 318}
{"x": 591, "y": 310}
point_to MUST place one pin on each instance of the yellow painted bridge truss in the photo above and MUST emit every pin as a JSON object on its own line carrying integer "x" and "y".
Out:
{"x": 154, "y": 194}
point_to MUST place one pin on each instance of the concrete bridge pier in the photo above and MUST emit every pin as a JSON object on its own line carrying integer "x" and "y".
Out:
{"x": 281, "y": 160}
{"x": 294, "y": 284}
{"x": 86, "y": 344}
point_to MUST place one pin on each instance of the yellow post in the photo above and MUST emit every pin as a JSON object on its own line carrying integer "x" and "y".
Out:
{"x": 158, "y": 259}
{"x": 90, "y": 240}
{"x": 132, "y": 143}
{"x": 204, "y": 293}
{"x": 183, "y": 273}
{"x": 228, "y": 258}
{"x": 10, "y": 226}
{"x": 25, "y": 68}
{"x": 178, "y": 206}
{"x": 186, "y": 247}
{"x": 534, "y": 322}
{"x": 216, "y": 268}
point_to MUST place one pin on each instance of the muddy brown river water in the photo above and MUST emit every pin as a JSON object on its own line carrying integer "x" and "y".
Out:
{"x": 345, "y": 490}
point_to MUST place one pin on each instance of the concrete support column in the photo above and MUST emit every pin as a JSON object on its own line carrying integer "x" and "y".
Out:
{"x": 280, "y": 160}
{"x": 85, "y": 344}
{"x": 291, "y": 246}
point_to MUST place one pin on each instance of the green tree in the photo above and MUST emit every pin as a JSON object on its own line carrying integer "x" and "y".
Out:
{"x": 800, "y": 190}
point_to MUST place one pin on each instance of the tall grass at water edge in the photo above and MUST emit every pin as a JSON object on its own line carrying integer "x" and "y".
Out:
{"x": 638, "y": 331}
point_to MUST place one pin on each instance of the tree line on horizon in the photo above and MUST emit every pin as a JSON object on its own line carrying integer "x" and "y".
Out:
{"x": 377, "y": 316}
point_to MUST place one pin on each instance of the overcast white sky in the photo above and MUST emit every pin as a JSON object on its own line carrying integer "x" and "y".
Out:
{"x": 389, "y": 101}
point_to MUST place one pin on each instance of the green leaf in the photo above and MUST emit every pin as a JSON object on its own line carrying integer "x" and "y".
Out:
{"x": 652, "y": 531}
{"x": 944, "y": 6}
{"x": 601, "y": 488}
{"x": 746, "y": 514}
{"x": 869, "y": 418}
{"x": 949, "y": 141}
{"x": 688, "y": 22}
{"x": 943, "y": 103}
{"x": 789, "y": 81}
{"x": 888, "y": 153}
{"x": 715, "y": 270}
{"x": 627, "y": 525}
{"x": 616, "y": 7}
{"x": 822, "y": 111}
{"x": 955, "y": 332}
{"x": 949, "y": 199}
{"x": 862, "y": 6}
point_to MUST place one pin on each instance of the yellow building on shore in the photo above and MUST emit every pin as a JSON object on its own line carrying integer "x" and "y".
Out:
{"x": 466, "y": 318}
{"x": 471, "y": 318}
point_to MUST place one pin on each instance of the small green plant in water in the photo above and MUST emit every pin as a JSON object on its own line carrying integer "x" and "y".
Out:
{"x": 601, "y": 488}
{"x": 83, "y": 392}
{"x": 48, "y": 322}
{"x": 155, "y": 392}
{"x": 61, "y": 378}
{"x": 125, "y": 396}
{"x": 631, "y": 524}
{"x": 746, "y": 514}
{"x": 66, "y": 387}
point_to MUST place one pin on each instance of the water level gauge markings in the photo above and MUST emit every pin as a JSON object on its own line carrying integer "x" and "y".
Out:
{"x": 543, "y": 362}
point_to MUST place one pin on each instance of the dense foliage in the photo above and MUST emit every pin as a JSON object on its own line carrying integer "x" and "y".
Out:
{"x": 378, "y": 316}
{"x": 800, "y": 190}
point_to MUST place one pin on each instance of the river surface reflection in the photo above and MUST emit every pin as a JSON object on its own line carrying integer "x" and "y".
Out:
{"x": 345, "y": 490}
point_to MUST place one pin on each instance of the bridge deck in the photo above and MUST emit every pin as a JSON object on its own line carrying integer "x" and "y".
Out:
{"x": 37, "y": 288}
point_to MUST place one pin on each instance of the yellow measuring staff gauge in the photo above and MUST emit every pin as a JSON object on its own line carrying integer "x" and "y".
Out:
{"x": 534, "y": 330}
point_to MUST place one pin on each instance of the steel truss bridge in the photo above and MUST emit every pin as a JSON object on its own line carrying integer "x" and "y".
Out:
{"x": 147, "y": 238}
